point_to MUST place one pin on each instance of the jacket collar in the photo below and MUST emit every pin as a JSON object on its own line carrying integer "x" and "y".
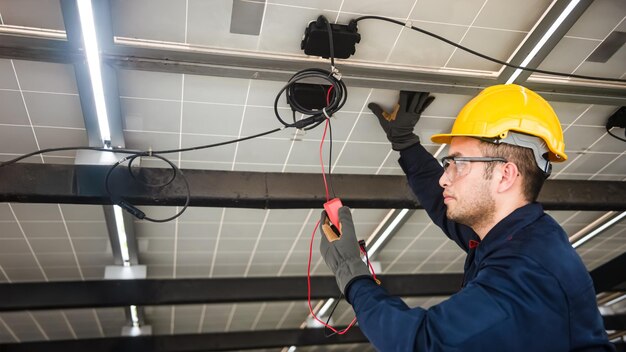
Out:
{"x": 508, "y": 227}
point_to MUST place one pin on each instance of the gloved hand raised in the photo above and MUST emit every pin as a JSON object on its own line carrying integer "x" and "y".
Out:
{"x": 341, "y": 253}
{"x": 399, "y": 124}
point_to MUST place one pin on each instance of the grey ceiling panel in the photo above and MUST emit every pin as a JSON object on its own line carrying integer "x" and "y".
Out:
{"x": 447, "y": 11}
{"x": 13, "y": 112}
{"x": 500, "y": 45}
{"x": 156, "y": 20}
{"x": 151, "y": 85}
{"x": 57, "y": 110}
{"x": 588, "y": 26}
{"x": 7, "y": 76}
{"x": 511, "y": 14}
{"x": 150, "y": 115}
{"x": 45, "y": 77}
{"x": 209, "y": 24}
{"x": 33, "y": 13}
{"x": 377, "y": 39}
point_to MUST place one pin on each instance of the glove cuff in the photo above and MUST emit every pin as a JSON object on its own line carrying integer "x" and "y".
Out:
{"x": 404, "y": 142}
{"x": 350, "y": 270}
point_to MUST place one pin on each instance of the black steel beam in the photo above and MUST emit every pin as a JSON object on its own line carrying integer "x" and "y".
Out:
{"x": 193, "y": 342}
{"x": 113, "y": 293}
{"x": 609, "y": 276}
{"x": 615, "y": 322}
{"x": 84, "y": 184}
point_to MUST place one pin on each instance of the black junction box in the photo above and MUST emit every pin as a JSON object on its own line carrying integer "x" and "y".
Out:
{"x": 315, "y": 41}
{"x": 308, "y": 95}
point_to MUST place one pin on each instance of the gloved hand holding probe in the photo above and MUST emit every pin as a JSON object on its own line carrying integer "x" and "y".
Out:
{"x": 399, "y": 124}
{"x": 341, "y": 253}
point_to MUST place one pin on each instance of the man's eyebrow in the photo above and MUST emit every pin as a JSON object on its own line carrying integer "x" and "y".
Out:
{"x": 455, "y": 154}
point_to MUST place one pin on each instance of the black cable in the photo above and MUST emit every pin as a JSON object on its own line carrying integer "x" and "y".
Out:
{"x": 473, "y": 52}
{"x": 138, "y": 153}
{"x": 330, "y": 42}
{"x": 608, "y": 130}
{"x": 131, "y": 208}
{"x": 326, "y": 329}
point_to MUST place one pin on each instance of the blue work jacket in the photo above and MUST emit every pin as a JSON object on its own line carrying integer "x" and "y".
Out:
{"x": 525, "y": 288}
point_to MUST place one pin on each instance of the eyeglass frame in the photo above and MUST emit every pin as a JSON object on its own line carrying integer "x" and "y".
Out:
{"x": 469, "y": 159}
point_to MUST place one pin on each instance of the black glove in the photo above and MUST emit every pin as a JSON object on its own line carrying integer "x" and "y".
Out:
{"x": 341, "y": 253}
{"x": 399, "y": 124}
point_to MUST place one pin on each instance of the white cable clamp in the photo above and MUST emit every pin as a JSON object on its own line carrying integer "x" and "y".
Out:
{"x": 335, "y": 72}
{"x": 150, "y": 151}
{"x": 408, "y": 24}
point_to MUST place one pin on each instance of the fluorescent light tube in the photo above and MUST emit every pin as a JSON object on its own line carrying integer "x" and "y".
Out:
{"x": 615, "y": 300}
{"x": 92, "y": 52}
{"x": 387, "y": 232}
{"x": 121, "y": 234}
{"x": 597, "y": 231}
{"x": 134, "y": 317}
{"x": 326, "y": 307}
{"x": 544, "y": 39}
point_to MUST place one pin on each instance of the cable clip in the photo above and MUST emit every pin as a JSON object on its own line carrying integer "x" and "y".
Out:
{"x": 325, "y": 113}
{"x": 335, "y": 72}
{"x": 150, "y": 151}
{"x": 408, "y": 24}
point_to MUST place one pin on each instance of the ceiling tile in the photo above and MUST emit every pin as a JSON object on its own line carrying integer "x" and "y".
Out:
{"x": 282, "y": 231}
{"x": 195, "y": 244}
{"x": 149, "y": 19}
{"x": 341, "y": 124}
{"x": 377, "y": 38}
{"x": 60, "y": 137}
{"x": 46, "y": 77}
{"x": 10, "y": 229}
{"x": 17, "y": 260}
{"x": 97, "y": 245}
{"x": 82, "y": 212}
{"x": 17, "y": 140}
{"x": 28, "y": 274}
{"x": 568, "y": 112}
{"x": 418, "y": 49}
{"x": 581, "y": 138}
{"x": 447, "y": 11}
{"x": 95, "y": 260}
{"x": 568, "y": 54}
{"x": 367, "y": 129}
{"x": 7, "y": 76}
{"x": 33, "y": 13}
{"x": 150, "y": 115}
{"x": 229, "y": 270}
{"x": 363, "y": 154}
{"x": 430, "y": 126}
{"x": 317, "y": 4}
{"x": 615, "y": 67}
{"x": 90, "y": 229}
{"x": 203, "y": 214}
{"x": 588, "y": 163}
{"x": 13, "y": 111}
{"x": 263, "y": 93}
{"x": 259, "y": 119}
{"x": 268, "y": 151}
{"x": 400, "y": 8}
{"x": 599, "y": 19}
{"x": 307, "y": 153}
{"x": 194, "y": 258}
{"x": 44, "y": 229}
{"x": 22, "y": 325}
{"x": 13, "y": 246}
{"x": 211, "y": 89}
{"x": 56, "y": 245}
{"x": 31, "y": 211}
{"x": 500, "y": 46}
{"x": 512, "y": 14}
{"x": 209, "y": 24}
{"x": 54, "y": 110}
{"x": 223, "y": 153}
{"x": 617, "y": 167}
{"x": 147, "y": 140}
{"x": 63, "y": 274}
{"x": 212, "y": 119}
{"x": 151, "y": 85}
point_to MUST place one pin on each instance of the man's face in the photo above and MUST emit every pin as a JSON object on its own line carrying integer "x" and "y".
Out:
{"x": 468, "y": 196}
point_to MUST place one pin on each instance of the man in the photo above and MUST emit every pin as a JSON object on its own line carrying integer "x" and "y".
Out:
{"x": 525, "y": 288}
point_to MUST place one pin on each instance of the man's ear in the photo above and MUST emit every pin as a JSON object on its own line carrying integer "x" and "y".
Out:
{"x": 509, "y": 174}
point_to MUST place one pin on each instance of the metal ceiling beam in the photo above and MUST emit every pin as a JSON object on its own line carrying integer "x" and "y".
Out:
{"x": 180, "y": 58}
{"x": 116, "y": 293}
{"x": 608, "y": 276}
{"x": 113, "y": 293}
{"x": 84, "y": 184}
{"x": 229, "y": 341}
{"x": 540, "y": 29}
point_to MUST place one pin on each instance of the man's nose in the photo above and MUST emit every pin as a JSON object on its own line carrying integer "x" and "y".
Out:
{"x": 444, "y": 181}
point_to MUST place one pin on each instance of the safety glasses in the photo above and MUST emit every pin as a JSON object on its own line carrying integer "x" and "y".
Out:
{"x": 456, "y": 167}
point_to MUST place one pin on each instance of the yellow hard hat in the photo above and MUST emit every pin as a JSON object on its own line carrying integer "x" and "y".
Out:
{"x": 505, "y": 108}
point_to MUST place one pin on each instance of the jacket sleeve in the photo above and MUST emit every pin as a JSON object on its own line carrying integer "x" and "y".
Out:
{"x": 423, "y": 172}
{"x": 390, "y": 325}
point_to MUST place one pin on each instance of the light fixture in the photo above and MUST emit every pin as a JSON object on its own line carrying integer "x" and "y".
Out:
{"x": 615, "y": 300}
{"x": 326, "y": 307}
{"x": 134, "y": 317}
{"x": 292, "y": 349}
{"x": 544, "y": 39}
{"x": 87, "y": 24}
{"x": 388, "y": 230}
{"x": 598, "y": 230}
{"x": 121, "y": 235}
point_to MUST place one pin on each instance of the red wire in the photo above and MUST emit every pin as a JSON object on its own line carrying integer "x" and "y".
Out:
{"x": 308, "y": 272}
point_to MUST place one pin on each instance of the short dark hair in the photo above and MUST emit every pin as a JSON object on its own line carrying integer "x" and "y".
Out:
{"x": 532, "y": 176}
